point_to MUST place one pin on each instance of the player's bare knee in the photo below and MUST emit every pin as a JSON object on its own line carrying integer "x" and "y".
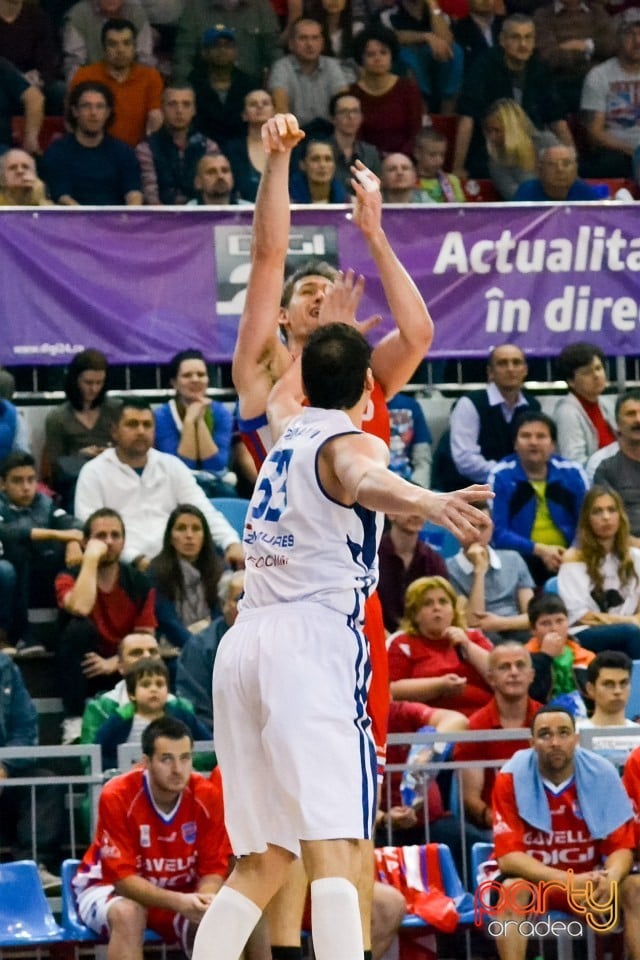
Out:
{"x": 128, "y": 919}
{"x": 389, "y": 907}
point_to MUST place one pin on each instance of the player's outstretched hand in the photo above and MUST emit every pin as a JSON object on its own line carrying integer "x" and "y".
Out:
{"x": 341, "y": 303}
{"x": 281, "y": 133}
{"x": 455, "y": 512}
{"x": 367, "y": 203}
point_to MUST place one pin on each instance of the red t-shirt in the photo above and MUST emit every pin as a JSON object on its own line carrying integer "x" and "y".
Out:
{"x": 135, "y": 838}
{"x": 631, "y": 783}
{"x": 412, "y": 656}
{"x": 114, "y": 614}
{"x": 568, "y": 846}
{"x": 488, "y": 718}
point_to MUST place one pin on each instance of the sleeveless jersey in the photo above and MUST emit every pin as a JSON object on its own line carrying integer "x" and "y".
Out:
{"x": 256, "y": 433}
{"x": 299, "y": 543}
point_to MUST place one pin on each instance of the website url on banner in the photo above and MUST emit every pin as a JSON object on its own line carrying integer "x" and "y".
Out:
{"x": 493, "y": 898}
{"x": 47, "y": 349}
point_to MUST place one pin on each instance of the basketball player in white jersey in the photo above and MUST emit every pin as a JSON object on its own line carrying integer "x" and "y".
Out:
{"x": 292, "y": 731}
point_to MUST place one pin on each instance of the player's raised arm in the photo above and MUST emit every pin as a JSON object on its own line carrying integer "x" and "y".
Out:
{"x": 259, "y": 354}
{"x": 397, "y": 355}
{"x": 285, "y": 400}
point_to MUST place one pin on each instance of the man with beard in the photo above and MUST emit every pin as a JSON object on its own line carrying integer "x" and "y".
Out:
{"x": 213, "y": 182}
{"x": 88, "y": 166}
{"x": 560, "y": 816}
{"x": 104, "y": 600}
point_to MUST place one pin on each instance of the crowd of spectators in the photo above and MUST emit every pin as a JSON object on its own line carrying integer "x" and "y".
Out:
{"x": 535, "y": 97}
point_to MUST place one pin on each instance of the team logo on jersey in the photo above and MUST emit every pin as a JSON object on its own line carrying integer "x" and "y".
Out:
{"x": 145, "y": 835}
{"x": 189, "y": 832}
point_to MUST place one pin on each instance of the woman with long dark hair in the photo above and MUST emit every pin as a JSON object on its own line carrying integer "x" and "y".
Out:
{"x": 186, "y": 574}
{"x": 80, "y": 428}
{"x": 599, "y": 580}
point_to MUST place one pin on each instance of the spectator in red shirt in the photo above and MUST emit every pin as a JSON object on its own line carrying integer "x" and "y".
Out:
{"x": 104, "y": 600}
{"x": 435, "y": 660}
{"x": 510, "y": 674}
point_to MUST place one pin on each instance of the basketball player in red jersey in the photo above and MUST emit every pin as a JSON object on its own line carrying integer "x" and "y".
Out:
{"x": 314, "y": 295}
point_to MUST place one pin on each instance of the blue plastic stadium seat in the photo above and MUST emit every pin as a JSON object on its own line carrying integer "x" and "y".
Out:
{"x": 74, "y": 928}
{"x": 633, "y": 706}
{"x": 452, "y": 885}
{"x": 440, "y": 539}
{"x": 551, "y": 585}
{"x": 25, "y": 914}
{"x": 234, "y": 509}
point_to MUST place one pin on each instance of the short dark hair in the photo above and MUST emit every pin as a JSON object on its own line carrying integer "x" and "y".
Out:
{"x": 543, "y": 604}
{"x": 577, "y": 355}
{"x": 101, "y": 513}
{"x": 146, "y": 667}
{"x": 633, "y": 394}
{"x": 174, "y": 364}
{"x": 535, "y": 416}
{"x": 550, "y": 708}
{"x": 376, "y": 31}
{"x": 335, "y": 361}
{"x": 116, "y": 24}
{"x": 312, "y": 268}
{"x": 90, "y": 359}
{"x": 76, "y": 94}
{"x": 430, "y": 135}
{"x": 608, "y": 660}
{"x": 14, "y": 460}
{"x": 514, "y": 20}
{"x": 135, "y": 403}
{"x": 333, "y": 103}
{"x": 169, "y": 727}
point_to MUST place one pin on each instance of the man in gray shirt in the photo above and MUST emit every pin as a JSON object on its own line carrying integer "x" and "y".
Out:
{"x": 621, "y": 471}
{"x": 305, "y": 80}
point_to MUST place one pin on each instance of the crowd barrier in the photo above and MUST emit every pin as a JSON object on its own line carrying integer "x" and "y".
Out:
{"x": 81, "y": 787}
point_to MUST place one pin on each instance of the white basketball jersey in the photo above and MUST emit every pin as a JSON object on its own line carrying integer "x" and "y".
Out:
{"x": 299, "y": 543}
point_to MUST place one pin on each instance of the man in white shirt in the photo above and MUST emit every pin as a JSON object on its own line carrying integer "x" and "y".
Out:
{"x": 144, "y": 486}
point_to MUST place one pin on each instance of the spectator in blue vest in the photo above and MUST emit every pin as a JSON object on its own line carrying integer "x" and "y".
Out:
{"x": 168, "y": 158}
{"x": 482, "y": 422}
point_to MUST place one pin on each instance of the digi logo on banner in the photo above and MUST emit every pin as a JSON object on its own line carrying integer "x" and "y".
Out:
{"x": 232, "y": 246}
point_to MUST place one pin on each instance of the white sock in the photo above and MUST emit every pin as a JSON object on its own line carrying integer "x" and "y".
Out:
{"x": 335, "y": 920}
{"x": 226, "y": 926}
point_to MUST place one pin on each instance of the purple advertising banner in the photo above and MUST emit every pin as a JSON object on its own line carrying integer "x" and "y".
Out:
{"x": 141, "y": 285}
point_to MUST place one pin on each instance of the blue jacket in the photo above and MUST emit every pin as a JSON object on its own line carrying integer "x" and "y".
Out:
{"x": 514, "y": 506}
{"x": 18, "y": 717}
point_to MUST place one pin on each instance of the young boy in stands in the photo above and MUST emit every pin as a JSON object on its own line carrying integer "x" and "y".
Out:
{"x": 558, "y": 661}
{"x": 34, "y": 534}
{"x": 148, "y": 688}
{"x": 430, "y": 152}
